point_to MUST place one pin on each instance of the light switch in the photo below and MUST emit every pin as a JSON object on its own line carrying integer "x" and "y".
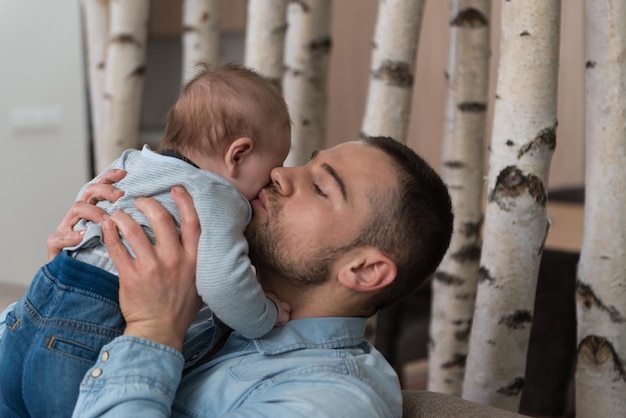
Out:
{"x": 37, "y": 118}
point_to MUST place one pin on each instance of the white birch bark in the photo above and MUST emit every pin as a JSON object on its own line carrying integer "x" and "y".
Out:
{"x": 396, "y": 39}
{"x": 516, "y": 225}
{"x": 96, "y": 28}
{"x": 454, "y": 283}
{"x": 265, "y": 38}
{"x": 307, "y": 49}
{"x": 124, "y": 79}
{"x": 601, "y": 287}
{"x": 200, "y": 37}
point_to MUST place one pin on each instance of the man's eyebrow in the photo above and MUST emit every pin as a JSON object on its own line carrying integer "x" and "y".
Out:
{"x": 338, "y": 179}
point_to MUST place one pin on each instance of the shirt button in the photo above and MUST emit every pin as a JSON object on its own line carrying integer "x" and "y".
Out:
{"x": 96, "y": 372}
{"x": 105, "y": 356}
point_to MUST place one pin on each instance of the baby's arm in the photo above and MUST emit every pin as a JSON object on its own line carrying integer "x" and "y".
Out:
{"x": 225, "y": 279}
{"x": 284, "y": 310}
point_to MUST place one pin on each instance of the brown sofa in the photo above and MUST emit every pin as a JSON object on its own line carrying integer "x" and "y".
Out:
{"x": 423, "y": 404}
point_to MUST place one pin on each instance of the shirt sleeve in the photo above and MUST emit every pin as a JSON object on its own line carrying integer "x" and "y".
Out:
{"x": 225, "y": 279}
{"x": 132, "y": 377}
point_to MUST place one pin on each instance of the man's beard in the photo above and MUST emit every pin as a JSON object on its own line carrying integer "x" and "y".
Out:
{"x": 268, "y": 251}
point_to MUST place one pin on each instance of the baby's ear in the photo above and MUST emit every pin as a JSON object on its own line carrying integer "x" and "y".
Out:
{"x": 236, "y": 154}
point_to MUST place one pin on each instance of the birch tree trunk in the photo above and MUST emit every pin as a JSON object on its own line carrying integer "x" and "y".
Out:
{"x": 201, "y": 36}
{"x": 96, "y": 20}
{"x": 601, "y": 290}
{"x": 392, "y": 71}
{"x": 124, "y": 79}
{"x": 265, "y": 38}
{"x": 307, "y": 49}
{"x": 516, "y": 225}
{"x": 454, "y": 284}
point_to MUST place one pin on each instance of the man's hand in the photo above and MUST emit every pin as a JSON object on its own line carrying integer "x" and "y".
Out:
{"x": 85, "y": 208}
{"x": 158, "y": 295}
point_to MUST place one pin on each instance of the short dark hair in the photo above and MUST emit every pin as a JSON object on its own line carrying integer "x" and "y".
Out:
{"x": 412, "y": 224}
{"x": 221, "y": 104}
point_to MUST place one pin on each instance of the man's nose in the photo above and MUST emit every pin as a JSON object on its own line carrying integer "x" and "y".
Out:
{"x": 282, "y": 178}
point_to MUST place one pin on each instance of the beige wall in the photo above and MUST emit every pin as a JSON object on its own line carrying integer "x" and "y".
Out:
{"x": 353, "y": 28}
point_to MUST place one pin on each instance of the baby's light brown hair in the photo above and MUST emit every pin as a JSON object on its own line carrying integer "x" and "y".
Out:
{"x": 220, "y": 105}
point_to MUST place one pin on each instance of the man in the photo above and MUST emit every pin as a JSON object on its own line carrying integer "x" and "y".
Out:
{"x": 358, "y": 228}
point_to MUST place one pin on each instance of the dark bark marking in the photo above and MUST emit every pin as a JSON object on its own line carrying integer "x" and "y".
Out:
{"x": 509, "y": 143}
{"x": 457, "y": 360}
{"x": 446, "y": 75}
{"x": 125, "y": 38}
{"x": 517, "y": 319}
{"x": 491, "y": 342}
{"x": 599, "y": 350}
{"x": 205, "y": 16}
{"x": 605, "y": 257}
{"x": 514, "y": 388}
{"x": 448, "y": 279}
{"x": 470, "y": 252}
{"x": 525, "y": 33}
{"x": 465, "y": 296}
{"x": 455, "y": 187}
{"x": 484, "y": 275}
{"x": 395, "y": 73}
{"x": 448, "y": 381}
{"x": 294, "y": 71}
{"x": 498, "y": 97}
{"x": 276, "y": 82}
{"x": 472, "y": 107}
{"x": 463, "y": 333}
{"x": 139, "y": 71}
{"x": 107, "y": 96}
{"x": 280, "y": 29}
{"x": 454, "y": 164}
{"x": 546, "y": 138}
{"x": 320, "y": 46}
{"x": 303, "y": 4}
{"x": 470, "y": 18}
{"x": 188, "y": 28}
{"x": 590, "y": 64}
{"x": 306, "y": 122}
{"x": 101, "y": 65}
{"x": 471, "y": 229}
{"x": 588, "y": 298}
{"x": 511, "y": 183}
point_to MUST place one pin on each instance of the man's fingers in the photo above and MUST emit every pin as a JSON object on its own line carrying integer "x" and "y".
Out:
{"x": 133, "y": 233}
{"x": 117, "y": 251}
{"x": 162, "y": 223}
{"x": 190, "y": 225}
{"x": 62, "y": 239}
{"x": 111, "y": 176}
{"x": 96, "y": 192}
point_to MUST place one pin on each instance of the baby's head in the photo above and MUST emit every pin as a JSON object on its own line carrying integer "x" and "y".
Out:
{"x": 233, "y": 122}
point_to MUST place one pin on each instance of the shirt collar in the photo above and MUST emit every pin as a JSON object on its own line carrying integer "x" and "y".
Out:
{"x": 333, "y": 332}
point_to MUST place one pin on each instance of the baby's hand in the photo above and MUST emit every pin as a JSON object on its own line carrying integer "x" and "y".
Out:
{"x": 284, "y": 310}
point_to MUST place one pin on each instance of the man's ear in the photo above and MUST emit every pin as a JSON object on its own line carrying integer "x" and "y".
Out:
{"x": 367, "y": 271}
{"x": 236, "y": 154}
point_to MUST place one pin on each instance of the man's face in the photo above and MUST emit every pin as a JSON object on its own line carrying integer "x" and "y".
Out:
{"x": 302, "y": 220}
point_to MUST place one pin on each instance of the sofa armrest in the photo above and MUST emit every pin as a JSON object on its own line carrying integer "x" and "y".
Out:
{"x": 424, "y": 404}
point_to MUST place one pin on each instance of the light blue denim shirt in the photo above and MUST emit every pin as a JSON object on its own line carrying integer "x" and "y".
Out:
{"x": 317, "y": 367}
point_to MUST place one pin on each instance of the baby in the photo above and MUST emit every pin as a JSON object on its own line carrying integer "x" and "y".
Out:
{"x": 226, "y": 132}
